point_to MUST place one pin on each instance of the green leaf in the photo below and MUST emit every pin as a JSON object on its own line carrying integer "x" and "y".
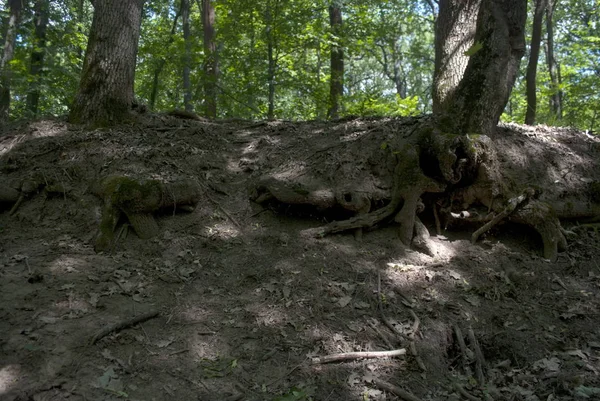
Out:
{"x": 474, "y": 49}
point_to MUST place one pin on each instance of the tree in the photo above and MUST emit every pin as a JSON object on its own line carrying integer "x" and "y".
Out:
{"x": 487, "y": 82}
{"x": 37, "y": 54}
{"x": 211, "y": 64}
{"x": 337, "y": 61}
{"x": 105, "y": 92}
{"x": 187, "y": 88}
{"x": 534, "y": 54}
{"x": 553, "y": 70}
{"x": 454, "y": 33}
{"x": 10, "y": 35}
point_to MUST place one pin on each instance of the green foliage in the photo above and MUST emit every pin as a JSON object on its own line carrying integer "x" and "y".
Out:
{"x": 388, "y": 58}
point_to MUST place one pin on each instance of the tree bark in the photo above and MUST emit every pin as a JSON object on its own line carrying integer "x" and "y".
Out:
{"x": 454, "y": 32}
{"x": 336, "y": 88}
{"x": 553, "y": 68}
{"x": 483, "y": 92}
{"x": 211, "y": 62}
{"x": 10, "y": 35}
{"x": 187, "y": 90}
{"x": 534, "y": 55}
{"x": 106, "y": 89}
{"x": 37, "y": 55}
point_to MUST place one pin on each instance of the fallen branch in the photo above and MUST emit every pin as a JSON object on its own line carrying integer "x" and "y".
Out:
{"x": 512, "y": 205}
{"x": 463, "y": 350}
{"x": 465, "y": 394}
{"x": 347, "y": 356}
{"x": 412, "y": 345}
{"x": 405, "y": 395}
{"x": 479, "y": 360}
{"x": 122, "y": 325}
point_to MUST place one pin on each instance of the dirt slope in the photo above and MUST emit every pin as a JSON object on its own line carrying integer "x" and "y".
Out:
{"x": 245, "y": 303}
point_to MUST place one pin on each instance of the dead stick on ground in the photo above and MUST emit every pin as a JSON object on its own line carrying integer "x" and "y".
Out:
{"x": 383, "y": 317}
{"x": 463, "y": 350}
{"x": 122, "y": 325}
{"x": 465, "y": 394}
{"x": 405, "y": 395}
{"x": 512, "y": 205}
{"x": 230, "y": 217}
{"x": 413, "y": 346}
{"x": 384, "y": 338}
{"x": 358, "y": 355}
{"x": 479, "y": 360}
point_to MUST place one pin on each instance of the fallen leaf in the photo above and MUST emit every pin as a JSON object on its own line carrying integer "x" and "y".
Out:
{"x": 344, "y": 301}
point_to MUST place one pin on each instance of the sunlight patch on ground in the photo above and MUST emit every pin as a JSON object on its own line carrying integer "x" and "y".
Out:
{"x": 67, "y": 264}
{"x": 267, "y": 315}
{"x": 9, "y": 375}
{"x": 222, "y": 231}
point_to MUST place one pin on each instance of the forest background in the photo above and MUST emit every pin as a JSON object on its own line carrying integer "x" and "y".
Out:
{"x": 272, "y": 58}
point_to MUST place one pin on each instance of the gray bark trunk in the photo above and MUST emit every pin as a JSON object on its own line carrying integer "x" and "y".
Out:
{"x": 454, "y": 32}
{"x": 10, "y": 35}
{"x": 556, "y": 97}
{"x": 187, "y": 56}
{"x": 37, "y": 55}
{"x": 490, "y": 75}
{"x": 336, "y": 88}
{"x": 106, "y": 89}
{"x": 534, "y": 55}
{"x": 211, "y": 62}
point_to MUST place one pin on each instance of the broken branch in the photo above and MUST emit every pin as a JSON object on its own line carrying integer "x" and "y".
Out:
{"x": 358, "y": 355}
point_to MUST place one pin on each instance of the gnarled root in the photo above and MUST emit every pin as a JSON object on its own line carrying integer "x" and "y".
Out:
{"x": 541, "y": 217}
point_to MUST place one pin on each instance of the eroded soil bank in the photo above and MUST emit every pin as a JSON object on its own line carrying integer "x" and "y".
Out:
{"x": 245, "y": 302}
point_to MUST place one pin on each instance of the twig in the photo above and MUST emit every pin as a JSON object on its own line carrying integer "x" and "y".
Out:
{"x": 16, "y": 205}
{"x": 383, "y": 317}
{"x": 479, "y": 360}
{"x": 230, "y": 217}
{"x": 412, "y": 345}
{"x": 463, "y": 349}
{"x": 465, "y": 394}
{"x": 384, "y": 338}
{"x": 405, "y": 395}
{"x": 512, "y": 205}
{"x": 357, "y": 355}
{"x": 122, "y": 325}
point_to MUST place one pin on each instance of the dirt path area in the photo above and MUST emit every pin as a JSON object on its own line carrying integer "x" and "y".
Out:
{"x": 240, "y": 306}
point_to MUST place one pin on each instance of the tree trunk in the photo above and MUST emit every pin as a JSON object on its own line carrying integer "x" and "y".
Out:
{"x": 211, "y": 62}
{"x": 272, "y": 63}
{"x": 454, "y": 32}
{"x": 106, "y": 89}
{"x": 161, "y": 64}
{"x": 536, "y": 37}
{"x": 556, "y": 97}
{"x": 490, "y": 75}
{"x": 37, "y": 55}
{"x": 10, "y": 35}
{"x": 187, "y": 90}
{"x": 336, "y": 88}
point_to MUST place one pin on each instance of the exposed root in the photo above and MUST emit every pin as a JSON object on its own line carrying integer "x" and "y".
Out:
{"x": 403, "y": 394}
{"x": 122, "y": 325}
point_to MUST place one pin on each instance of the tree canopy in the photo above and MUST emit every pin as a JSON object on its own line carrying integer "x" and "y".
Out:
{"x": 273, "y": 58}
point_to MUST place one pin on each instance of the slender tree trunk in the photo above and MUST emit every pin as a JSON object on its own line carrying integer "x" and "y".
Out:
{"x": 553, "y": 68}
{"x": 10, "y": 35}
{"x": 40, "y": 20}
{"x": 211, "y": 61}
{"x": 187, "y": 56}
{"x": 161, "y": 64}
{"x": 272, "y": 63}
{"x": 490, "y": 75}
{"x": 534, "y": 55}
{"x": 336, "y": 88}
{"x": 106, "y": 89}
{"x": 454, "y": 32}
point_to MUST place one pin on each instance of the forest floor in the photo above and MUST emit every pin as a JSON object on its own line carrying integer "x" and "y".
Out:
{"x": 245, "y": 304}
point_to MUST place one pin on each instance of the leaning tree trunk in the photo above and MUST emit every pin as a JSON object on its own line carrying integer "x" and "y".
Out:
{"x": 211, "y": 62}
{"x": 556, "y": 97}
{"x": 187, "y": 55}
{"x": 37, "y": 55}
{"x": 336, "y": 87}
{"x": 106, "y": 89}
{"x": 10, "y": 35}
{"x": 536, "y": 38}
{"x": 499, "y": 45}
{"x": 454, "y": 33}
